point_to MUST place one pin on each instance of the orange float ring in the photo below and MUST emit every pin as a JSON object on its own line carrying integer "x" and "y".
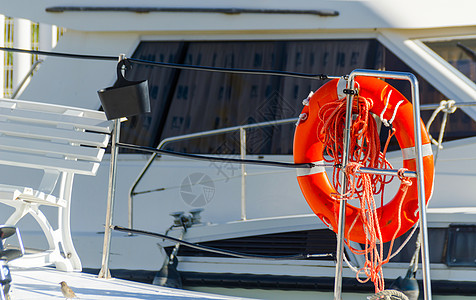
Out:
{"x": 315, "y": 184}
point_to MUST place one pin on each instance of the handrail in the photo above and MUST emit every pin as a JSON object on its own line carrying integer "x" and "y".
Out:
{"x": 221, "y": 131}
{"x": 437, "y": 105}
{"x": 27, "y": 76}
{"x": 197, "y": 135}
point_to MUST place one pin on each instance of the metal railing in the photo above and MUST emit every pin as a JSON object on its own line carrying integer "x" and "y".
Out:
{"x": 184, "y": 137}
{"x": 419, "y": 178}
{"x": 21, "y": 85}
{"x": 242, "y": 130}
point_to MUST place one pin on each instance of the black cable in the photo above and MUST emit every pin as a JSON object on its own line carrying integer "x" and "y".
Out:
{"x": 230, "y": 70}
{"x": 220, "y": 251}
{"x": 175, "y": 66}
{"x": 212, "y": 158}
{"x": 59, "y": 54}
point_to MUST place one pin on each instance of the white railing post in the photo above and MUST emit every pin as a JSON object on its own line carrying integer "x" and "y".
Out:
{"x": 21, "y": 40}
{"x": 46, "y": 39}
{"x": 2, "y": 56}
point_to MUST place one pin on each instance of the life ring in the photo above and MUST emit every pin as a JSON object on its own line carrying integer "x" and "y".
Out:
{"x": 315, "y": 184}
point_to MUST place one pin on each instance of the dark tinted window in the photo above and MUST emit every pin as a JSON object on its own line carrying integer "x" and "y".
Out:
{"x": 461, "y": 246}
{"x": 460, "y": 53}
{"x": 437, "y": 238}
{"x": 185, "y": 101}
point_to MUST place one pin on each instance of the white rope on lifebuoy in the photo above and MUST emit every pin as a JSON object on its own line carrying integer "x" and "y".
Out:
{"x": 386, "y": 122}
{"x": 305, "y": 102}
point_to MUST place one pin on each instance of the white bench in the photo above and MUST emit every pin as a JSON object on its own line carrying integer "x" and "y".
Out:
{"x": 61, "y": 141}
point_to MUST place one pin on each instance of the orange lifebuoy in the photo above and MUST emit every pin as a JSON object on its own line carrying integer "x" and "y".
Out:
{"x": 315, "y": 184}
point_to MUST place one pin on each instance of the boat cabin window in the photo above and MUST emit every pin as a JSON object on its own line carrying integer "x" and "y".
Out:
{"x": 186, "y": 101}
{"x": 460, "y": 53}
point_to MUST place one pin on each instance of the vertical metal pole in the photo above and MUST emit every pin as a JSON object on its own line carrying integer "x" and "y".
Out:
{"x": 425, "y": 254}
{"x": 243, "y": 172}
{"x": 419, "y": 172}
{"x": 130, "y": 219}
{"x": 343, "y": 202}
{"x": 104, "y": 272}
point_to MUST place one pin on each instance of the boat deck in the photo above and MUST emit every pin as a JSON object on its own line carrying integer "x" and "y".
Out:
{"x": 43, "y": 283}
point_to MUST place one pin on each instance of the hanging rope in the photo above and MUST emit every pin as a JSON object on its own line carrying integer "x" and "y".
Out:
{"x": 364, "y": 151}
{"x": 374, "y": 250}
{"x": 447, "y": 107}
{"x": 364, "y": 141}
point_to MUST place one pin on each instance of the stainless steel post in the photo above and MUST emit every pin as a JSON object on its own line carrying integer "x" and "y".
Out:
{"x": 425, "y": 254}
{"x": 116, "y": 133}
{"x": 343, "y": 202}
{"x": 419, "y": 175}
{"x": 243, "y": 172}
{"x": 104, "y": 273}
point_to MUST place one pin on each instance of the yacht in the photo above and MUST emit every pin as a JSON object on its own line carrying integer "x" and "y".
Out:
{"x": 254, "y": 209}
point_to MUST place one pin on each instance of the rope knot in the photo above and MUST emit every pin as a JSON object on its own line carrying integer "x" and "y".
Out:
{"x": 401, "y": 175}
{"x": 448, "y": 106}
{"x": 302, "y": 117}
{"x": 352, "y": 168}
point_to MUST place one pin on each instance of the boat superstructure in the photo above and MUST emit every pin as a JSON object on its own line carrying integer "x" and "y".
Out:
{"x": 255, "y": 209}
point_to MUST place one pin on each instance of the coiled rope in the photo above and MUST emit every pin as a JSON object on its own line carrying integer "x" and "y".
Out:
{"x": 364, "y": 152}
{"x": 388, "y": 295}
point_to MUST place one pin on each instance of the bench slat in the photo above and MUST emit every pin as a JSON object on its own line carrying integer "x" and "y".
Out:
{"x": 40, "y": 107}
{"x": 42, "y": 162}
{"x": 42, "y": 147}
{"x": 39, "y": 132}
{"x": 55, "y": 119}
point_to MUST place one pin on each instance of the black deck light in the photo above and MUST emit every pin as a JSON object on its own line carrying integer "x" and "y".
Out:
{"x": 125, "y": 98}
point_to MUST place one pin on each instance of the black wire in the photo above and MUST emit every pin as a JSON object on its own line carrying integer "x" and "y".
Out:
{"x": 172, "y": 65}
{"x": 220, "y": 251}
{"x": 230, "y": 70}
{"x": 213, "y": 158}
{"x": 59, "y": 54}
